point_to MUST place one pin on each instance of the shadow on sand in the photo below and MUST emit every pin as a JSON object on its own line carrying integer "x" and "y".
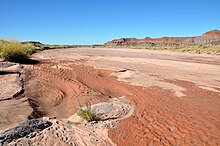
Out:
{"x": 28, "y": 61}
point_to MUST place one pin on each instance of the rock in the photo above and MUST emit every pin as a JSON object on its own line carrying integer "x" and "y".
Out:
{"x": 125, "y": 74}
{"x": 22, "y": 130}
{"x": 6, "y": 65}
{"x": 46, "y": 118}
{"x": 11, "y": 81}
{"x": 76, "y": 119}
{"x": 111, "y": 110}
{"x": 208, "y": 38}
{"x": 106, "y": 111}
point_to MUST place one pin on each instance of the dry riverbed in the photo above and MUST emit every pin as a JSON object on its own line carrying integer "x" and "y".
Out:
{"x": 156, "y": 97}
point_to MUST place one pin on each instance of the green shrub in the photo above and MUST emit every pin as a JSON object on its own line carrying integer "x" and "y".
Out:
{"x": 87, "y": 113}
{"x": 14, "y": 56}
{"x": 15, "y": 51}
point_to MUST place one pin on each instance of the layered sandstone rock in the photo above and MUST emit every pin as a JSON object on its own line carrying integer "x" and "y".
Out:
{"x": 208, "y": 38}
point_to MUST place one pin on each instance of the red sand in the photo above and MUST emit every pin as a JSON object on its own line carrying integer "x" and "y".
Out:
{"x": 160, "y": 116}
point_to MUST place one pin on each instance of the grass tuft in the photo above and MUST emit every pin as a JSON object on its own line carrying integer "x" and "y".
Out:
{"x": 87, "y": 113}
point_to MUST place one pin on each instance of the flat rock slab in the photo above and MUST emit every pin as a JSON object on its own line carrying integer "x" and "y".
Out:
{"x": 107, "y": 111}
{"x": 111, "y": 110}
{"x": 9, "y": 80}
{"x": 6, "y": 64}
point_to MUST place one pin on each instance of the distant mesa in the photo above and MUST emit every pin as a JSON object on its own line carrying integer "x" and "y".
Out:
{"x": 212, "y": 33}
{"x": 208, "y": 38}
{"x": 36, "y": 44}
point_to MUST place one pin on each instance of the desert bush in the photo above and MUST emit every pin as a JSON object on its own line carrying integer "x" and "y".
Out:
{"x": 87, "y": 113}
{"x": 15, "y": 51}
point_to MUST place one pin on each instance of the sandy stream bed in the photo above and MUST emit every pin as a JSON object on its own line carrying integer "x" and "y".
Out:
{"x": 176, "y": 97}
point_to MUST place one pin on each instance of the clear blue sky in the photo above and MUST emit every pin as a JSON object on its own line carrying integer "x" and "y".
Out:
{"x": 97, "y": 21}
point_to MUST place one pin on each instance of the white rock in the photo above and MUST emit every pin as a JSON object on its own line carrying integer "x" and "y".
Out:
{"x": 76, "y": 119}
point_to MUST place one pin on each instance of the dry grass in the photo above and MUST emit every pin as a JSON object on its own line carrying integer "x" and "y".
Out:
{"x": 87, "y": 113}
{"x": 191, "y": 49}
{"x": 15, "y": 51}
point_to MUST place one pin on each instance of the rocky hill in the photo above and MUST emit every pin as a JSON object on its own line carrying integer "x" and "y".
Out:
{"x": 208, "y": 38}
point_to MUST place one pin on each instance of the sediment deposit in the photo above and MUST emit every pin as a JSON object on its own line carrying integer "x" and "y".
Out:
{"x": 159, "y": 97}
